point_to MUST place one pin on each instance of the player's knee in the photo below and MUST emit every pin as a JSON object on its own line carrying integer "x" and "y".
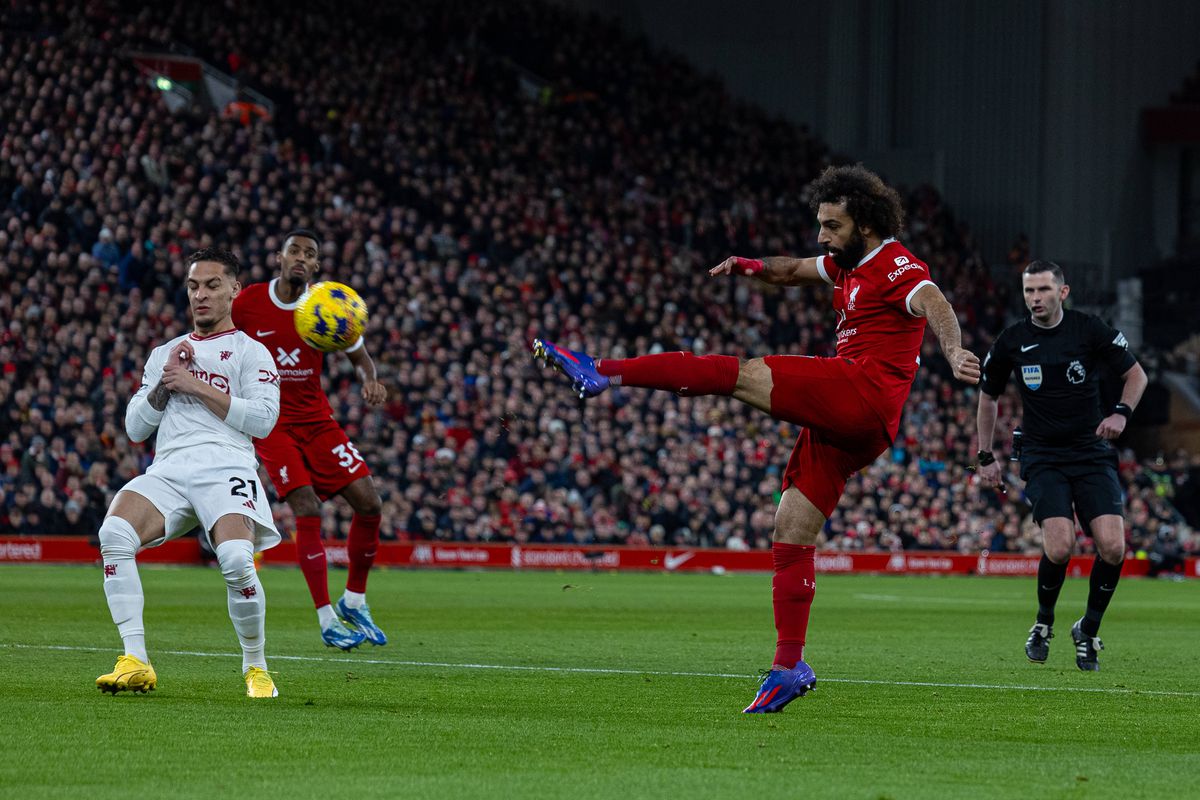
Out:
{"x": 793, "y": 530}
{"x": 1057, "y": 551}
{"x": 796, "y": 536}
{"x": 236, "y": 558}
{"x": 1111, "y": 551}
{"x": 304, "y": 503}
{"x": 370, "y": 506}
{"x": 118, "y": 539}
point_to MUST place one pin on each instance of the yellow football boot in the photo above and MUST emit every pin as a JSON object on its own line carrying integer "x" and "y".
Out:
{"x": 131, "y": 674}
{"x": 259, "y": 683}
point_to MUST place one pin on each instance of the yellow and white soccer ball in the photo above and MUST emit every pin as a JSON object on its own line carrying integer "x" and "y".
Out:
{"x": 330, "y": 316}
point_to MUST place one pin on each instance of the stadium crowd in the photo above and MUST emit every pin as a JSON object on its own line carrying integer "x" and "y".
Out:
{"x": 478, "y": 193}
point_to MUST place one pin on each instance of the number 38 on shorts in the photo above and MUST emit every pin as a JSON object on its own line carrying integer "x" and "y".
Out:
{"x": 318, "y": 454}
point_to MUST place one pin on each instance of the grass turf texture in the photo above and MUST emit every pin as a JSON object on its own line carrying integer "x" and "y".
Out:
{"x": 366, "y": 724}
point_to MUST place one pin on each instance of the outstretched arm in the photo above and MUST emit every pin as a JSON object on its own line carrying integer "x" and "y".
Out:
{"x": 777, "y": 271}
{"x": 930, "y": 303}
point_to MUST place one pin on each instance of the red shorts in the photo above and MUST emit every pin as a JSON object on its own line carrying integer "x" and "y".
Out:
{"x": 316, "y": 454}
{"x": 842, "y": 432}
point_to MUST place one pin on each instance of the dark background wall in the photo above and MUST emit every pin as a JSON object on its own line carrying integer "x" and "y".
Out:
{"x": 1024, "y": 113}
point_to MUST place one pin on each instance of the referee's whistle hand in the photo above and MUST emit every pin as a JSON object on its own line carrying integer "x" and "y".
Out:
{"x": 1111, "y": 427}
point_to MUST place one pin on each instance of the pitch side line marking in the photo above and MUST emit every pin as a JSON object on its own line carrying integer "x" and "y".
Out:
{"x": 994, "y": 600}
{"x": 608, "y": 671}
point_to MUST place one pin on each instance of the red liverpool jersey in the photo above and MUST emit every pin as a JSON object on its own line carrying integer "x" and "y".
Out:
{"x": 260, "y": 313}
{"x": 876, "y": 323}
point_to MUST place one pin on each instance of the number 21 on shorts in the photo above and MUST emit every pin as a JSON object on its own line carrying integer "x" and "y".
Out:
{"x": 239, "y": 488}
{"x": 347, "y": 455}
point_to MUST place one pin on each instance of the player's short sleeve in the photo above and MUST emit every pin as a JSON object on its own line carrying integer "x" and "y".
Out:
{"x": 1111, "y": 347}
{"x": 829, "y": 271}
{"x": 905, "y": 277}
{"x": 997, "y": 367}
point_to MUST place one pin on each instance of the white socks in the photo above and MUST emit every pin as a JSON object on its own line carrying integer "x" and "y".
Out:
{"x": 247, "y": 602}
{"x": 326, "y": 616}
{"x": 119, "y": 544}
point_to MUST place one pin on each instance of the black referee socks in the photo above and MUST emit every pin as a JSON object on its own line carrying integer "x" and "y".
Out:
{"x": 1103, "y": 583}
{"x": 1050, "y": 580}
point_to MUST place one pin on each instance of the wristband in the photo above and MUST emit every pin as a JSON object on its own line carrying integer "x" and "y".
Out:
{"x": 749, "y": 266}
{"x": 1122, "y": 409}
{"x": 985, "y": 457}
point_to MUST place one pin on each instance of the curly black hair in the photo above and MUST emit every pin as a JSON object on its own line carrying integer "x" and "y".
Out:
{"x": 870, "y": 202}
{"x": 232, "y": 266}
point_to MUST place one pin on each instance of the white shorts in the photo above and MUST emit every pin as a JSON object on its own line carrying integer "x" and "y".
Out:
{"x": 198, "y": 486}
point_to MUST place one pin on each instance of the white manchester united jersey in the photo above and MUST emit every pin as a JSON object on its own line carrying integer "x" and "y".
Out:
{"x": 229, "y": 361}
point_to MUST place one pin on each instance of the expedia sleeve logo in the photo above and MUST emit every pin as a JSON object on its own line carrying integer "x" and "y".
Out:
{"x": 1032, "y": 375}
{"x": 903, "y": 265}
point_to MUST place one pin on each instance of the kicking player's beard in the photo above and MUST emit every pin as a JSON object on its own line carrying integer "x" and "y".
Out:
{"x": 848, "y": 257}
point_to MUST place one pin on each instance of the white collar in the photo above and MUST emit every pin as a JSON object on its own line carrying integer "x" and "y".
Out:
{"x": 875, "y": 252}
{"x": 275, "y": 298}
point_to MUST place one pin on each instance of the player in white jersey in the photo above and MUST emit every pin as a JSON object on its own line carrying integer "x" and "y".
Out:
{"x": 206, "y": 394}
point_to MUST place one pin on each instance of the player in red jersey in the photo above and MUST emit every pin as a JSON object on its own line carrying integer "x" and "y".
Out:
{"x": 308, "y": 456}
{"x": 849, "y": 405}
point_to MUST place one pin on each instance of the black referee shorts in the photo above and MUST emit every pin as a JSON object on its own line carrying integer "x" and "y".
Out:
{"x": 1088, "y": 488}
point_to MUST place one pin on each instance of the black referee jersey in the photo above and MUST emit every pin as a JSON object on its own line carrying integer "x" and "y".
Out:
{"x": 1058, "y": 374}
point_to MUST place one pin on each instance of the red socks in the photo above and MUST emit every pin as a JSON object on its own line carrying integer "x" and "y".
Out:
{"x": 792, "y": 595}
{"x": 361, "y": 546}
{"x": 686, "y": 374}
{"x": 310, "y": 552}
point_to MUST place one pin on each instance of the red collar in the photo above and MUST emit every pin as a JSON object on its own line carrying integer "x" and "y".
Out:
{"x": 198, "y": 338}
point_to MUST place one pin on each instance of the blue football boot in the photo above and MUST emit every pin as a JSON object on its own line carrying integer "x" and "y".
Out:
{"x": 579, "y": 367}
{"x": 780, "y": 687}
{"x": 338, "y": 635}
{"x": 360, "y": 620}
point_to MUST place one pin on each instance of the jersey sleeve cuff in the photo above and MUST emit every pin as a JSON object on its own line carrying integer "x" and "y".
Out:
{"x": 149, "y": 414}
{"x": 235, "y": 417}
{"x": 358, "y": 345}
{"x": 913, "y": 293}
{"x": 821, "y": 270}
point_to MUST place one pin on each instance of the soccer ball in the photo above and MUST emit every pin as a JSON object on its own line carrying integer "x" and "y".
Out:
{"x": 330, "y": 316}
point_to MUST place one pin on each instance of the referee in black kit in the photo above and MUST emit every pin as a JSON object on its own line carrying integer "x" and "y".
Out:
{"x": 1067, "y": 457}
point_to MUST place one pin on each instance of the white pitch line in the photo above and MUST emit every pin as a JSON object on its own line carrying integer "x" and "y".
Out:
{"x": 896, "y": 598}
{"x": 613, "y": 671}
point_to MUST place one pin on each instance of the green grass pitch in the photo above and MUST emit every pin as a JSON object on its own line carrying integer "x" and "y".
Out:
{"x": 502, "y": 685}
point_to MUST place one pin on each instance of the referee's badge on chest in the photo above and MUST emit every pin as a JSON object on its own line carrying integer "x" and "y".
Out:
{"x": 1032, "y": 375}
